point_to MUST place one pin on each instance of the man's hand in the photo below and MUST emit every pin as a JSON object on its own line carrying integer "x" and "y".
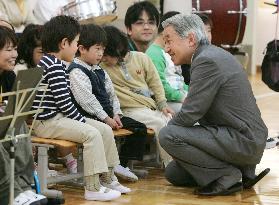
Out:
{"x": 168, "y": 111}
{"x": 118, "y": 121}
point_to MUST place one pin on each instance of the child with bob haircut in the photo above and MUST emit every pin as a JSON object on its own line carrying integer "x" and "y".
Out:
{"x": 137, "y": 84}
{"x": 60, "y": 118}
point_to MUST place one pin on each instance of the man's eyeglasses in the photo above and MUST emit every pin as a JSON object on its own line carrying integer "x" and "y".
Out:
{"x": 143, "y": 23}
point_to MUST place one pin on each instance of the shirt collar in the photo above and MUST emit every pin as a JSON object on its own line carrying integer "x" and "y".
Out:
{"x": 86, "y": 65}
{"x": 53, "y": 59}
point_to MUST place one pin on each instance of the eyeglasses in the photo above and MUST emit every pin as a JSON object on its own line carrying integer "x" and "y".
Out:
{"x": 143, "y": 23}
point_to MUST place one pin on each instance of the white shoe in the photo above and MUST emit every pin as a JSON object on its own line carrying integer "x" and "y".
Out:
{"x": 115, "y": 185}
{"x": 125, "y": 173}
{"x": 38, "y": 197}
{"x": 272, "y": 142}
{"x": 23, "y": 199}
{"x": 104, "y": 194}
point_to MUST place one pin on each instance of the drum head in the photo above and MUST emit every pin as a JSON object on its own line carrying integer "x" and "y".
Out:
{"x": 228, "y": 21}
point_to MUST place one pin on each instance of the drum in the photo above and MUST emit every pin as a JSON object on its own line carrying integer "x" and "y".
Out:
{"x": 91, "y": 11}
{"x": 229, "y": 19}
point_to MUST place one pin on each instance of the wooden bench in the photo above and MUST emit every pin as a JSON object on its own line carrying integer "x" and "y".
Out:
{"x": 43, "y": 145}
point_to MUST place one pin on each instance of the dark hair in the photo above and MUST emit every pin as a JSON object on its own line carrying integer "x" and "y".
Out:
{"x": 7, "y": 36}
{"x": 90, "y": 35}
{"x": 134, "y": 12}
{"x": 117, "y": 45}
{"x": 29, "y": 40}
{"x": 8, "y": 24}
{"x": 206, "y": 20}
{"x": 165, "y": 17}
{"x": 58, "y": 28}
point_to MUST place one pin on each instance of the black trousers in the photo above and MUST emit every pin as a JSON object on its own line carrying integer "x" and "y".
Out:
{"x": 134, "y": 144}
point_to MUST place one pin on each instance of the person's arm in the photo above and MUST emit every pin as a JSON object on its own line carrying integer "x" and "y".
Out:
{"x": 205, "y": 83}
{"x": 112, "y": 96}
{"x": 171, "y": 93}
{"x": 30, "y": 18}
{"x": 59, "y": 89}
{"x": 3, "y": 12}
{"x": 82, "y": 91}
{"x": 154, "y": 83}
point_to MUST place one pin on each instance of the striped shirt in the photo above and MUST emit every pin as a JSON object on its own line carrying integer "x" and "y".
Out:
{"x": 57, "y": 97}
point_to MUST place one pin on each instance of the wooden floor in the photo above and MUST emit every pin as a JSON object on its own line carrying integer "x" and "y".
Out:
{"x": 155, "y": 190}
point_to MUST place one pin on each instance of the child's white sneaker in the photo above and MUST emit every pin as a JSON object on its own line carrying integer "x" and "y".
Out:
{"x": 115, "y": 185}
{"x": 104, "y": 194}
{"x": 125, "y": 173}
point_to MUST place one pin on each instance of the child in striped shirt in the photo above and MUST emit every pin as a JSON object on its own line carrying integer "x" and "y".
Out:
{"x": 60, "y": 118}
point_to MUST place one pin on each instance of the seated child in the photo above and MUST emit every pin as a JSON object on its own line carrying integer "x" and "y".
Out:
{"x": 95, "y": 97}
{"x": 29, "y": 47}
{"x": 61, "y": 120}
{"x": 135, "y": 80}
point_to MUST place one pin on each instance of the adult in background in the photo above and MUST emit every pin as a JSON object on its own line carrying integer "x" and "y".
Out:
{"x": 24, "y": 165}
{"x": 229, "y": 140}
{"x": 45, "y": 10}
{"x": 141, "y": 21}
{"x": 17, "y": 12}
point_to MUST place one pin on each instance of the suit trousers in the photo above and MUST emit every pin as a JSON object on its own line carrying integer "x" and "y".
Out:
{"x": 196, "y": 151}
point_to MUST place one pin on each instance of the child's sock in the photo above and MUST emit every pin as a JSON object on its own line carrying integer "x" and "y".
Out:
{"x": 92, "y": 183}
{"x": 107, "y": 177}
{"x": 71, "y": 163}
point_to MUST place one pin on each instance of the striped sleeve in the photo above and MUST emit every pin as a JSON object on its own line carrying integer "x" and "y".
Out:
{"x": 57, "y": 81}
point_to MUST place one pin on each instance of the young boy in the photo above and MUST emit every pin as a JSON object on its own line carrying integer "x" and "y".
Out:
{"x": 61, "y": 120}
{"x": 95, "y": 97}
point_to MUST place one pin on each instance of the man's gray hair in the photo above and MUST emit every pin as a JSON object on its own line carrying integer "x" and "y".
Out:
{"x": 185, "y": 24}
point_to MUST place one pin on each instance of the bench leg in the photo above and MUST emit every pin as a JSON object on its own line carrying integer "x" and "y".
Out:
{"x": 43, "y": 174}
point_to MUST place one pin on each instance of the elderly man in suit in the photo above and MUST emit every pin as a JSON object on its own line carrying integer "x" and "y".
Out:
{"x": 218, "y": 137}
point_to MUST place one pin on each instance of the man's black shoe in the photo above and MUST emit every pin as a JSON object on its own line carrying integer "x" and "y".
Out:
{"x": 249, "y": 183}
{"x": 216, "y": 189}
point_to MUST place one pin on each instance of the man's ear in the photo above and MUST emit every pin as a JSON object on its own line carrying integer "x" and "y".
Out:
{"x": 129, "y": 31}
{"x": 192, "y": 39}
{"x": 64, "y": 43}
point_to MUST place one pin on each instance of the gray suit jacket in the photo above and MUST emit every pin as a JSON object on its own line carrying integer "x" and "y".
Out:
{"x": 220, "y": 98}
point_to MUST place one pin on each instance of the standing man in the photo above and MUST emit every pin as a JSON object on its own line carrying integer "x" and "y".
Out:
{"x": 141, "y": 21}
{"x": 229, "y": 140}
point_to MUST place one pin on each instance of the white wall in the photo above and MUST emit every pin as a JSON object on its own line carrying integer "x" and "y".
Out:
{"x": 183, "y": 6}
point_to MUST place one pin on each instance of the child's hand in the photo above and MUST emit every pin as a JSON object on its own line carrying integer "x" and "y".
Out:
{"x": 118, "y": 121}
{"x": 111, "y": 122}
